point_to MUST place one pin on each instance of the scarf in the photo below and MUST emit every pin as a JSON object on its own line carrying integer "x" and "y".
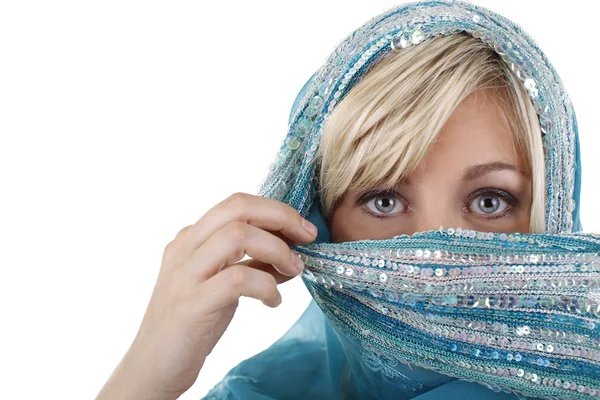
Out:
{"x": 438, "y": 314}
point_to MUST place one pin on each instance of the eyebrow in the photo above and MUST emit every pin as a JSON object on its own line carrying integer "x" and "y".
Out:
{"x": 479, "y": 170}
{"x": 476, "y": 171}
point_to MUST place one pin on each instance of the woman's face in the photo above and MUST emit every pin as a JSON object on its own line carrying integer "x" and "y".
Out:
{"x": 472, "y": 177}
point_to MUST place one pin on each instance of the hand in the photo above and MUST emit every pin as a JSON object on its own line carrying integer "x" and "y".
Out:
{"x": 199, "y": 285}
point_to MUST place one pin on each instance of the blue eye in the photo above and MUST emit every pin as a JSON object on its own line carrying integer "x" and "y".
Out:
{"x": 385, "y": 204}
{"x": 488, "y": 204}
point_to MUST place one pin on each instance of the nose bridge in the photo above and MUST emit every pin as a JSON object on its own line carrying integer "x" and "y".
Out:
{"x": 438, "y": 211}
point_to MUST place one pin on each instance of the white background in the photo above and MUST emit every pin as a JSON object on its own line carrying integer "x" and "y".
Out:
{"x": 124, "y": 121}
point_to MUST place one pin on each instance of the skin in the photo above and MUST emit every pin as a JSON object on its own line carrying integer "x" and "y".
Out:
{"x": 473, "y": 160}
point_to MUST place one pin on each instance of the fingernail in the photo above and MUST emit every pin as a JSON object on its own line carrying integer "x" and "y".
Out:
{"x": 309, "y": 227}
{"x": 297, "y": 262}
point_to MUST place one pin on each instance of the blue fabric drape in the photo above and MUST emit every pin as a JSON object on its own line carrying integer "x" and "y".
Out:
{"x": 312, "y": 361}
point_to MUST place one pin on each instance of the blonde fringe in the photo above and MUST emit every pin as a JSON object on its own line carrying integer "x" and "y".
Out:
{"x": 385, "y": 124}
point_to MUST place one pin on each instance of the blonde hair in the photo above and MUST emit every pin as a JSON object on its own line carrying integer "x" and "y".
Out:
{"x": 385, "y": 124}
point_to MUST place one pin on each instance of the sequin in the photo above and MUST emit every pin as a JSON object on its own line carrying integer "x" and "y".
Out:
{"x": 293, "y": 143}
{"x": 417, "y": 36}
{"x": 539, "y": 347}
{"x": 391, "y": 295}
{"x": 314, "y": 106}
{"x": 540, "y": 361}
{"x": 303, "y": 127}
{"x": 558, "y": 383}
{"x": 519, "y": 331}
{"x": 591, "y": 325}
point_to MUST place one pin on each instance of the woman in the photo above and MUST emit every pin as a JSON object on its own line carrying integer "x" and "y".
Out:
{"x": 433, "y": 113}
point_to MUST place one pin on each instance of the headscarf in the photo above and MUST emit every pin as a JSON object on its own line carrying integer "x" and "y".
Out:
{"x": 452, "y": 313}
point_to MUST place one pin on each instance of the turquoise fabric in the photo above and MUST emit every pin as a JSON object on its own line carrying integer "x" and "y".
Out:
{"x": 312, "y": 361}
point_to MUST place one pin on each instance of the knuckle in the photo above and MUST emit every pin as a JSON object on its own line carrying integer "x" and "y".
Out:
{"x": 170, "y": 248}
{"x": 182, "y": 230}
{"x": 237, "y": 230}
{"x": 173, "y": 245}
{"x": 238, "y": 200}
{"x": 173, "y": 253}
{"x": 239, "y": 275}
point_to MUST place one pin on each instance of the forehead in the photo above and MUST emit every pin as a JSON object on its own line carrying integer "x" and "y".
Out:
{"x": 476, "y": 133}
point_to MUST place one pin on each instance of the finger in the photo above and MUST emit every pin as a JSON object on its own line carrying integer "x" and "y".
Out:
{"x": 227, "y": 286}
{"x": 287, "y": 240}
{"x": 261, "y": 212}
{"x": 269, "y": 268}
{"x": 232, "y": 242}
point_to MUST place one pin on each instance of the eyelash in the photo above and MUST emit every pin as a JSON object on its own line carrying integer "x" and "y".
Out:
{"x": 511, "y": 201}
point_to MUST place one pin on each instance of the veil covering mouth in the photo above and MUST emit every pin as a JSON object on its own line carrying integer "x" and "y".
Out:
{"x": 451, "y": 313}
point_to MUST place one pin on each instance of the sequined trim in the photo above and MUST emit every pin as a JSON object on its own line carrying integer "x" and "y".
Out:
{"x": 519, "y": 313}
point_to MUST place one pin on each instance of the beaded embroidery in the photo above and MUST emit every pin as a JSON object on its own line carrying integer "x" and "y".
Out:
{"x": 520, "y": 313}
